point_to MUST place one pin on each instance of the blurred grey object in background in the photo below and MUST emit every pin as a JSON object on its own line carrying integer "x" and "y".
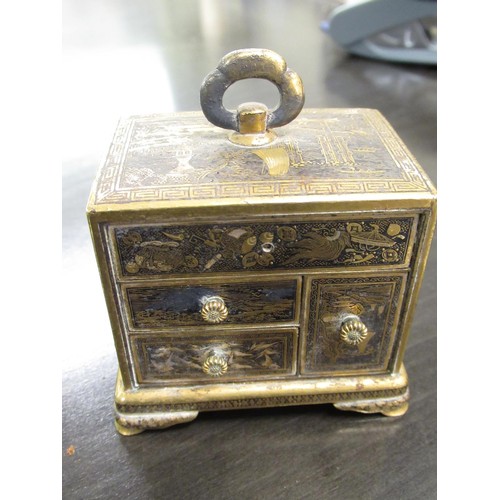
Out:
{"x": 393, "y": 30}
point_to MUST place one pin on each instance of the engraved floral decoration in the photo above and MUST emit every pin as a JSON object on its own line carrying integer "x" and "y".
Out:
{"x": 389, "y": 255}
{"x": 353, "y": 318}
{"x": 202, "y": 248}
{"x": 214, "y": 310}
{"x": 157, "y": 255}
{"x": 241, "y": 243}
{"x": 197, "y": 359}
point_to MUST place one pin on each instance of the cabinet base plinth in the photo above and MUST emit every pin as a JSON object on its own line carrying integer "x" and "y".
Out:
{"x": 160, "y": 407}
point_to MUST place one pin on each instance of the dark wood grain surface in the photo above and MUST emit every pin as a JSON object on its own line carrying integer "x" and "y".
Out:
{"x": 143, "y": 57}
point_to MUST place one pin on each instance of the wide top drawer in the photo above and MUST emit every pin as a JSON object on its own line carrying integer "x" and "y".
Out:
{"x": 333, "y": 242}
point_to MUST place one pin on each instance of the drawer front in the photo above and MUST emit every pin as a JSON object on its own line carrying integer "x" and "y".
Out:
{"x": 165, "y": 306}
{"x": 358, "y": 242}
{"x": 214, "y": 359}
{"x": 352, "y": 323}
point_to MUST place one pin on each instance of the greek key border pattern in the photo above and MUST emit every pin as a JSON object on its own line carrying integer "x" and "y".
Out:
{"x": 110, "y": 171}
{"x": 235, "y": 190}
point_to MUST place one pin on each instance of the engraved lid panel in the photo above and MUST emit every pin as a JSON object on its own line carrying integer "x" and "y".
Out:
{"x": 181, "y": 156}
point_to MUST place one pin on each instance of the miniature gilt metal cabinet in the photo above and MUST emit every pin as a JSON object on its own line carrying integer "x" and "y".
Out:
{"x": 269, "y": 268}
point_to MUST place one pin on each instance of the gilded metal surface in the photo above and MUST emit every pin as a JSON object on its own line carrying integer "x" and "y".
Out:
{"x": 130, "y": 425}
{"x": 252, "y": 118}
{"x": 395, "y": 406}
{"x": 252, "y": 123}
{"x": 247, "y": 354}
{"x": 214, "y": 310}
{"x": 166, "y": 306}
{"x": 252, "y": 277}
{"x": 189, "y": 248}
{"x": 289, "y": 392}
{"x": 276, "y": 160}
{"x": 251, "y": 63}
{"x": 375, "y": 299}
{"x": 179, "y": 160}
{"x": 215, "y": 365}
{"x": 256, "y": 140}
{"x": 131, "y": 420}
{"x": 425, "y": 233}
{"x": 353, "y": 331}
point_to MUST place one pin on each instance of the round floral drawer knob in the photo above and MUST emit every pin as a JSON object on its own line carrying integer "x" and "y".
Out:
{"x": 214, "y": 310}
{"x": 353, "y": 331}
{"x": 215, "y": 366}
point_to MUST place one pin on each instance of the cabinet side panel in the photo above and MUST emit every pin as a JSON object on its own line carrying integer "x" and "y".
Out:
{"x": 101, "y": 248}
{"x": 425, "y": 233}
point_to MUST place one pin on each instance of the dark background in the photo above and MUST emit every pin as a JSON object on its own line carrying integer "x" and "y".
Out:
{"x": 124, "y": 57}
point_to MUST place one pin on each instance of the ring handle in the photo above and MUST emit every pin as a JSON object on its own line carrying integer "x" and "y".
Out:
{"x": 251, "y": 63}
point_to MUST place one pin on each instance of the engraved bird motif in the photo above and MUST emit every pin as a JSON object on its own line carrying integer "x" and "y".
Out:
{"x": 315, "y": 246}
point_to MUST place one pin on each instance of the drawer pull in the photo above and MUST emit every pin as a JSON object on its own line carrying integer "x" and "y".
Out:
{"x": 214, "y": 310}
{"x": 215, "y": 366}
{"x": 353, "y": 331}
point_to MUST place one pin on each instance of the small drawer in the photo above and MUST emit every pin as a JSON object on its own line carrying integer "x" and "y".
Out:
{"x": 219, "y": 358}
{"x": 163, "y": 306}
{"x": 352, "y": 323}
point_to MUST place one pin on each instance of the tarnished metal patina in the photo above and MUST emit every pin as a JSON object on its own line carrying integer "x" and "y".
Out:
{"x": 251, "y": 63}
{"x": 267, "y": 268}
{"x": 252, "y": 121}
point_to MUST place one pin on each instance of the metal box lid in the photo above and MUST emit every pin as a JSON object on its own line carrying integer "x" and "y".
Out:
{"x": 324, "y": 155}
